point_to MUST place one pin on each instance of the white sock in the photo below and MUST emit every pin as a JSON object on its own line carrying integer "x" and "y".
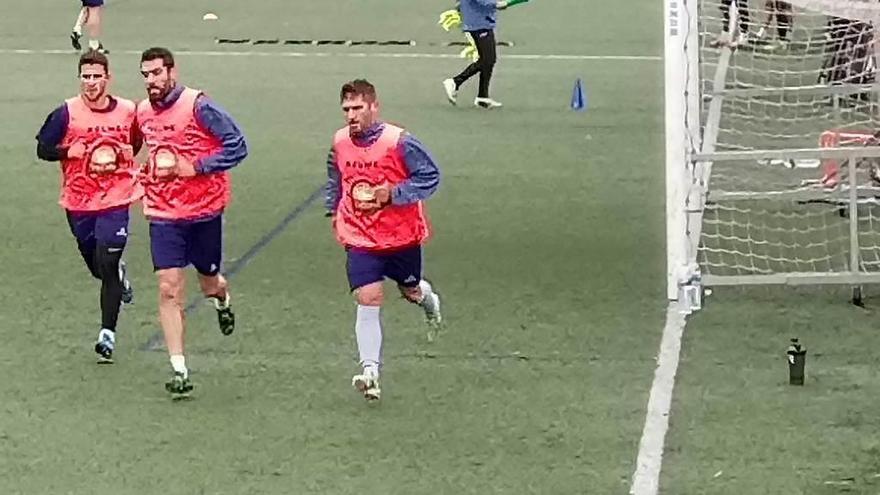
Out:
{"x": 178, "y": 364}
{"x": 80, "y": 20}
{"x": 94, "y": 44}
{"x": 221, "y": 304}
{"x": 108, "y": 332}
{"x": 427, "y": 301}
{"x": 368, "y": 330}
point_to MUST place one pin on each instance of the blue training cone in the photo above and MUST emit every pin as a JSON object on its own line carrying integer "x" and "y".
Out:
{"x": 578, "y": 99}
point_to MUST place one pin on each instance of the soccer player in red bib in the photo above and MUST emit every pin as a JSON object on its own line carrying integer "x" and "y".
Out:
{"x": 378, "y": 178}
{"x": 192, "y": 144}
{"x": 94, "y": 137}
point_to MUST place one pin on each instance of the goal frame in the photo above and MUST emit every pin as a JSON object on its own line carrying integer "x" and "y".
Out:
{"x": 690, "y": 152}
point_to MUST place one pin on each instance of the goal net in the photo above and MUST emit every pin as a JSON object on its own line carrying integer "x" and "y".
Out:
{"x": 785, "y": 174}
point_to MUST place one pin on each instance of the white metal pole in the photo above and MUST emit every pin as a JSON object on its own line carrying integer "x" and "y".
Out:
{"x": 854, "y": 251}
{"x": 676, "y": 25}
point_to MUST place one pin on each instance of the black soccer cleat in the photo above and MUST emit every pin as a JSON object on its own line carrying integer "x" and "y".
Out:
{"x": 225, "y": 316}
{"x": 74, "y": 40}
{"x": 127, "y": 289}
{"x": 104, "y": 347}
{"x": 179, "y": 386}
{"x": 105, "y": 353}
{"x": 226, "y": 319}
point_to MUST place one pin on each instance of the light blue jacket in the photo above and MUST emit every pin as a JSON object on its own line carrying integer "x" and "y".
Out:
{"x": 478, "y": 14}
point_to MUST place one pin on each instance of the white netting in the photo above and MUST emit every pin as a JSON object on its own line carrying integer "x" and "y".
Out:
{"x": 777, "y": 93}
{"x": 797, "y": 74}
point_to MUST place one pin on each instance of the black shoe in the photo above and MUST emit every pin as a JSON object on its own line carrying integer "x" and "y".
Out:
{"x": 74, "y": 40}
{"x": 103, "y": 50}
{"x": 179, "y": 386}
{"x": 225, "y": 316}
{"x": 127, "y": 289}
{"x": 226, "y": 319}
{"x": 104, "y": 347}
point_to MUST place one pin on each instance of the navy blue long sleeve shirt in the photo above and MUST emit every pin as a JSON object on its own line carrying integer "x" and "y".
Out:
{"x": 424, "y": 175}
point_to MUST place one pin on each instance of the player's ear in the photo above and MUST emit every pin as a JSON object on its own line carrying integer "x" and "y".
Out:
{"x": 172, "y": 73}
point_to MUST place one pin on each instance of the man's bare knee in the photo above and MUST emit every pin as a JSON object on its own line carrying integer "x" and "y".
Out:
{"x": 171, "y": 287}
{"x": 369, "y": 295}
{"x": 169, "y": 291}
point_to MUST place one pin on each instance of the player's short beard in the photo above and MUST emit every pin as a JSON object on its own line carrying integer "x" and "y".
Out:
{"x": 101, "y": 93}
{"x": 163, "y": 92}
{"x": 365, "y": 123}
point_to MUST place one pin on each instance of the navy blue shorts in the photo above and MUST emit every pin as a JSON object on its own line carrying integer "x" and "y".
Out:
{"x": 107, "y": 228}
{"x": 180, "y": 244}
{"x": 93, "y": 3}
{"x": 366, "y": 267}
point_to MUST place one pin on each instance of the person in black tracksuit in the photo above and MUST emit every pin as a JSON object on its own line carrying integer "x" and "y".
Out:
{"x": 478, "y": 21}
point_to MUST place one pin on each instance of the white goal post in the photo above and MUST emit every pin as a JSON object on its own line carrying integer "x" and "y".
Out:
{"x": 772, "y": 164}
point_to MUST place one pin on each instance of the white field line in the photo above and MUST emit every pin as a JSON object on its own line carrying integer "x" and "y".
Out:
{"x": 646, "y": 479}
{"x": 284, "y": 54}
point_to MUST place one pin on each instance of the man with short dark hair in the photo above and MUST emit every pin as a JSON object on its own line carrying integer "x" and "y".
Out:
{"x": 378, "y": 178}
{"x": 94, "y": 137}
{"x": 192, "y": 144}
